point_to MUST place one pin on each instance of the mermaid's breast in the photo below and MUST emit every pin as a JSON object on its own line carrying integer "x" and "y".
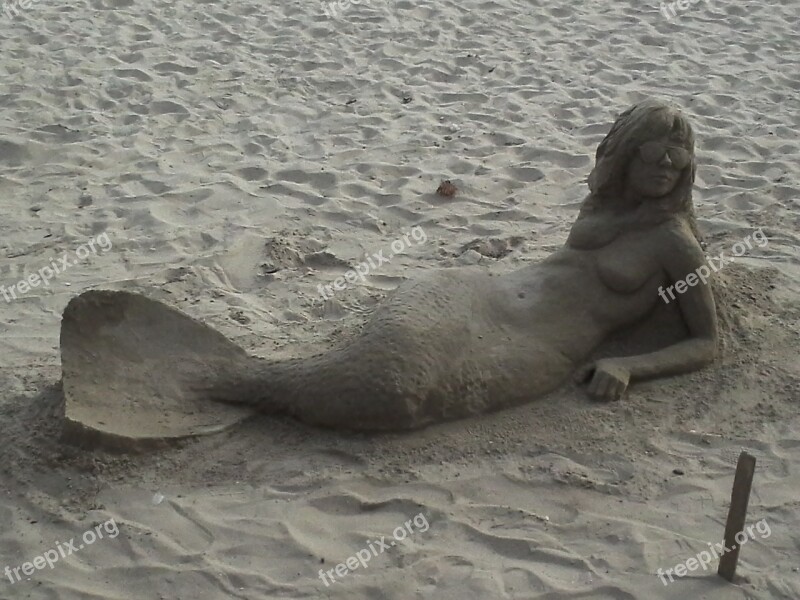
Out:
{"x": 625, "y": 270}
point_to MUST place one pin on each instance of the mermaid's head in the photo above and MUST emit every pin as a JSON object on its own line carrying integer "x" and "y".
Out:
{"x": 648, "y": 156}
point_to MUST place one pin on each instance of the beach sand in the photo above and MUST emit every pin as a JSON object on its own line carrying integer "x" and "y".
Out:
{"x": 239, "y": 155}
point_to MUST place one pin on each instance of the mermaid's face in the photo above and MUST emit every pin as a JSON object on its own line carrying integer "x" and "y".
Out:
{"x": 656, "y": 168}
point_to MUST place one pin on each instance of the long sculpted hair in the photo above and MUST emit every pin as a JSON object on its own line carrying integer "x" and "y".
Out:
{"x": 643, "y": 122}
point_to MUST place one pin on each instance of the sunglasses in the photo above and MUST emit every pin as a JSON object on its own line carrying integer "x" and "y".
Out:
{"x": 652, "y": 152}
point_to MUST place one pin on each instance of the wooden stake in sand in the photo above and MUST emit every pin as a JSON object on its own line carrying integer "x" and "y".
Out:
{"x": 740, "y": 497}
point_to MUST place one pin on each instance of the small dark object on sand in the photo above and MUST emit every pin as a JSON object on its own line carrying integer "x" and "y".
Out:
{"x": 446, "y": 188}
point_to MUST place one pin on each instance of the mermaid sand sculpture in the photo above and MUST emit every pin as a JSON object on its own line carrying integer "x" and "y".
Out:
{"x": 450, "y": 344}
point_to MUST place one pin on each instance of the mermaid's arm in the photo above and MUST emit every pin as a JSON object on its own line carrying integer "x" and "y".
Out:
{"x": 683, "y": 259}
{"x": 683, "y": 357}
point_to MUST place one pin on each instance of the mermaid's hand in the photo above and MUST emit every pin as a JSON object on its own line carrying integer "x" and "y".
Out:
{"x": 609, "y": 379}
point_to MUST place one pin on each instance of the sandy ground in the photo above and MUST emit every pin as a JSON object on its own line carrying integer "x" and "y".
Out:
{"x": 238, "y": 155}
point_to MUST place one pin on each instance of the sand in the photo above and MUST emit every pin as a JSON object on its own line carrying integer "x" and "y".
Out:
{"x": 239, "y": 155}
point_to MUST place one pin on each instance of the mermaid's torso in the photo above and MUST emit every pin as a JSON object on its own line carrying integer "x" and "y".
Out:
{"x": 463, "y": 341}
